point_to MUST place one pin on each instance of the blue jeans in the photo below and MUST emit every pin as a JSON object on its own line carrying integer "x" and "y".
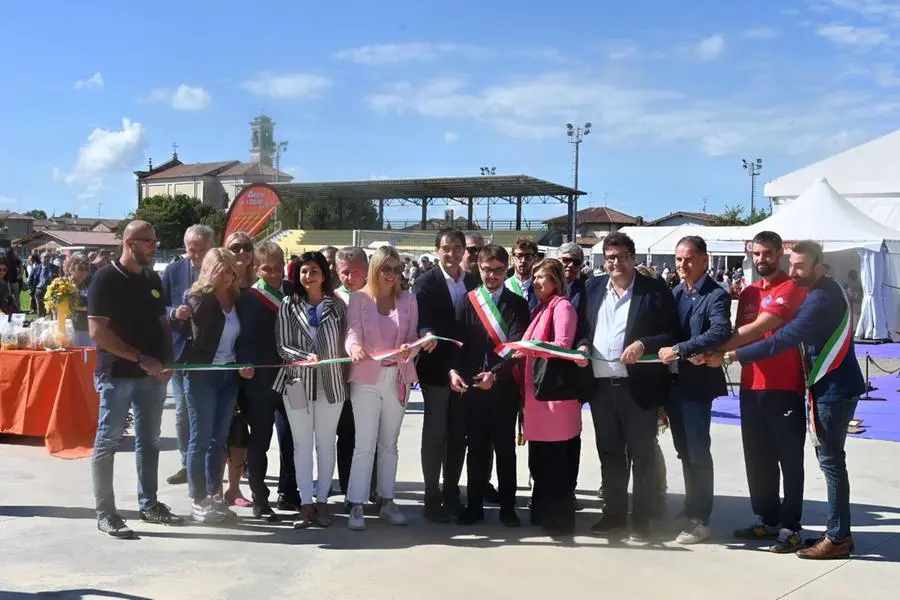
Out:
{"x": 182, "y": 422}
{"x": 690, "y": 421}
{"x": 147, "y": 396}
{"x": 832, "y": 417}
{"x": 211, "y": 397}
{"x": 83, "y": 339}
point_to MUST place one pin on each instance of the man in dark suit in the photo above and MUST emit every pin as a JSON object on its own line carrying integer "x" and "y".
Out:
{"x": 628, "y": 316}
{"x": 704, "y": 317}
{"x": 178, "y": 278}
{"x": 524, "y": 255}
{"x": 489, "y": 316}
{"x": 40, "y": 279}
{"x": 258, "y": 311}
{"x": 438, "y": 292}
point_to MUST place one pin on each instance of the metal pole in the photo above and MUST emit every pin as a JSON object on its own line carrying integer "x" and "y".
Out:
{"x": 575, "y": 196}
{"x": 752, "y": 191}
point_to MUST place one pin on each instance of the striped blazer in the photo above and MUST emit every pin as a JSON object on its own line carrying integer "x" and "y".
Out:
{"x": 294, "y": 342}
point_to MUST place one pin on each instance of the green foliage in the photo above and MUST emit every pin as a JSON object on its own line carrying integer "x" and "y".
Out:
{"x": 36, "y": 214}
{"x": 323, "y": 214}
{"x": 66, "y": 215}
{"x": 734, "y": 215}
{"x": 172, "y": 215}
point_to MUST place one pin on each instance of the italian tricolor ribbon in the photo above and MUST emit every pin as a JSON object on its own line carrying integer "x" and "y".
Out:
{"x": 268, "y": 295}
{"x": 835, "y": 349}
{"x": 514, "y": 286}
{"x": 491, "y": 319}
{"x": 307, "y": 363}
{"x": 548, "y": 350}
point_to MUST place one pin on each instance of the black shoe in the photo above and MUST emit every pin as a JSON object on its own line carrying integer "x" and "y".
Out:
{"x": 509, "y": 517}
{"x": 114, "y": 526}
{"x": 177, "y": 478}
{"x": 288, "y": 504}
{"x": 491, "y": 495}
{"x": 454, "y": 506}
{"x": 262, "y": 510}
{"x": 436, "y": 513}
{"x": 470, "y": 515}
{"x": 160, "y": 514}
{"x": 640, "y": 532}
{"x": 609, "y": 524}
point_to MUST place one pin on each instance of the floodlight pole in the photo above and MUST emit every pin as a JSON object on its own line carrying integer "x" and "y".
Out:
{"x": 576, "y": 135}
{"x": 753, "y": 167}
{"x": 488, "y": 171}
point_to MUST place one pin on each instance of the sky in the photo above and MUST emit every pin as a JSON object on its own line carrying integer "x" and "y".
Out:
{"x": 677, "y": 93}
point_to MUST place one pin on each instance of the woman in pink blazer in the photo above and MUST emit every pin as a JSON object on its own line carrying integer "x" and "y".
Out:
{"x": 380, "y": 317}
{"x": 553, "y": 429}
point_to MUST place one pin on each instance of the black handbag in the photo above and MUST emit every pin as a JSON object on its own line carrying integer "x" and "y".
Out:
{"x": 559, "y": 379}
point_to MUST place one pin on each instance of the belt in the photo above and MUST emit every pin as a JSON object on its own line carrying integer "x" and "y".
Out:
{"x": 613, "y": 381}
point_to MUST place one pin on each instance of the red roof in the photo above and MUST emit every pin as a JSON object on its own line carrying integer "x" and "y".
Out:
{"x": 598, "y": 214}
{"x": 92, "y": 239}
{"x": 699, "y": 216}
{"x": 193, "y": 170}
{"x": 253, "y": 169}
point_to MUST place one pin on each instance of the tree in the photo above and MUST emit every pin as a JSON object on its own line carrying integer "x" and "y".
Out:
{"x": 323, "y": 214}
{"x": 734, "y": 216}
{"x": 66, "y": 215}
{"x": 36, "y": 214}
{"x": 172, "y": 215}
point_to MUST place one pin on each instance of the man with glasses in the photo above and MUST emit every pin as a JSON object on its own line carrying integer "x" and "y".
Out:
{"x": 40, "y": 279}
{"x": 178, "y": 277}
{"x": 629, "y": 316}
{"x": 439, "y": 292}
{"x": 524, "y": 253}
{"x": 127, "y": 320}
{"x": 474, "y": 244}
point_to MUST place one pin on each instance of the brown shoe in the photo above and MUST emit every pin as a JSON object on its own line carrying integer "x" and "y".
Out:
{"x": 826, "y": 549}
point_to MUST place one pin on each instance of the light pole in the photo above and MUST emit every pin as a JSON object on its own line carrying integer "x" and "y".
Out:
{"x": 753, "y": 168}
{"x": 575, "y": 135}
{"x": 488, "y": 171}
{"x": 280, "y": 148}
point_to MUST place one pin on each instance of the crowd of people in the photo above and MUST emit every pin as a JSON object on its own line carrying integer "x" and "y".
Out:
{"x": 249, "y": 352}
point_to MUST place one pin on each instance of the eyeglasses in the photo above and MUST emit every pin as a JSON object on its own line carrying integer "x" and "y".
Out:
{"x": 621, "y": 257}
{"x": 577, "y": 262}
{"x": 524, "y": 256}
{"x": 235, "y": 248}
{"x": 494, "y": 271}
{"x": 152, "y": 242}
{"x": 386, "y": 270}
{"x": 473, "y": 250}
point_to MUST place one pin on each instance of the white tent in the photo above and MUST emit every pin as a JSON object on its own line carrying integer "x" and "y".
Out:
{"x": 821, "y": 214}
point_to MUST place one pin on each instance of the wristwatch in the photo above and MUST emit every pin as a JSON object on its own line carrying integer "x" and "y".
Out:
{"x": 676, "y": 351}
{"x": 726, "y": 359}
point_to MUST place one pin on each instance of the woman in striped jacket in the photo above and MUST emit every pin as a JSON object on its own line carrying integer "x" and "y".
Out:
{"x": 311, "y": 325}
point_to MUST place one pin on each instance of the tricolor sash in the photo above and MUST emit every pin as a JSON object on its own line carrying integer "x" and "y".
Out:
{"x": 514, "y": 286}
{"x": 268, "y": 295}
{"x": 490, "y": 318}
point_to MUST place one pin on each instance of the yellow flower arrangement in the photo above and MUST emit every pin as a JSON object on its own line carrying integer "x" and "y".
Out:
{"x": 61, "y": 291}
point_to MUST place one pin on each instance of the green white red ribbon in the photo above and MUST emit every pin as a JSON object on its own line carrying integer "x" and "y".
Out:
{"x": 307, "y": 363}
{"x": 548, "y": 350}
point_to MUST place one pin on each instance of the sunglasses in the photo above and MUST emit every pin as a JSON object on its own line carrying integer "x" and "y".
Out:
{"x": 473, "y": 249}
{"x": 235, "y": 248}
{"x": 386, "y": 270}
{"x": 571, "y": 261}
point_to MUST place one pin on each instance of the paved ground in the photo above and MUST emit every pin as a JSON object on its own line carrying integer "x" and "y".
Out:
{"x": 49, "y": 547}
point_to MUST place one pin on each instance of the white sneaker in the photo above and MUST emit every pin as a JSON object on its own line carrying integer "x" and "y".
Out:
{"x": 390, "y": 512}
{"x": 357, "y": 520}
{"x": 694, "y": 533}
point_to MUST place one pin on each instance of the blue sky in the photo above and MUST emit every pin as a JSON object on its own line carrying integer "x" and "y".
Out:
{"x": 677, "y": 93}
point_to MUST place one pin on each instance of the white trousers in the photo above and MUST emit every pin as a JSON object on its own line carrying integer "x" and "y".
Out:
{"x": 377, "y": 415}
{"x": 312, "y": 423}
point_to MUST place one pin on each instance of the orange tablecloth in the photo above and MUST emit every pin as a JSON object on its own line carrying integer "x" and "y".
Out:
{"x": 51, "y": 395}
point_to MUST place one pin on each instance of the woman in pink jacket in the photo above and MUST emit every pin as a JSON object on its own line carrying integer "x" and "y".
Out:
{"x": 380, "y": 317}
{"x": 553, "y": 429}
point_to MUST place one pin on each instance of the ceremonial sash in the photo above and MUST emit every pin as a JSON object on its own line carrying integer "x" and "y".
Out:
{"x": 491, "y": 319}
{"x": 835, "y": 349}
{"x": 514, "y": 286}
{"x": 267, "y": 295}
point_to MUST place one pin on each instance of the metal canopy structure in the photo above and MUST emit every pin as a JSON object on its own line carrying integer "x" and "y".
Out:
{"x": 470, "y": 191}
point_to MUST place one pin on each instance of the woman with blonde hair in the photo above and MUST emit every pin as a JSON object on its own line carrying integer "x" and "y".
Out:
{"x": 211, "y": 395}
{"x": 78, "y": 269}
{"x": 311, "y": 325}
{"x": 380, "y": 317}
{"x": 240, "y": 244}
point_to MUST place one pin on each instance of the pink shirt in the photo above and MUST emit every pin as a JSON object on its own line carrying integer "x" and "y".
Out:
{"x": 388, "y": 328}
{"x": 551, "y": 421}
{"x": 366, "y": 326}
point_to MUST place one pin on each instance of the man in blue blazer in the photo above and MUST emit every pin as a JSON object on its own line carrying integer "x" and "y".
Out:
{"x": 704, "y": 318}
{"x": 178, "y": 278}
{"x": 822, "y": 329}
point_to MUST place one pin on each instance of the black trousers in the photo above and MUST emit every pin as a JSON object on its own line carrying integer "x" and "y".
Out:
{"x": 773, "y": 429}
{"x": 263, "y": 409}
{"x": 443, "y": 443}
{"x": 554, "y": 471}
{"x": 624, "y": 430}
{"x": 491, "y": 431}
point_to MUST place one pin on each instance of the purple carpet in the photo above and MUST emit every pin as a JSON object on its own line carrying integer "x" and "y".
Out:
{"x": 877, "y": 351}
{"x": 881, "y": 418}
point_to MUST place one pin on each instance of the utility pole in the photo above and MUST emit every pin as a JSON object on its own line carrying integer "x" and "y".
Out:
{"x": 280, "y": 148}
{"x": 487, "y": 171}
{"x": 753, "y": 168}
{"x": 576, "y": 135}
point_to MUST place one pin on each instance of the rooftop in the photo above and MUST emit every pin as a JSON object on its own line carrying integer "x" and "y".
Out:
{"x": 699, "y": 216}
{"x": 193, "y": 170}
{"x": 597, "y": 214}
{"x": 74, "y": 238}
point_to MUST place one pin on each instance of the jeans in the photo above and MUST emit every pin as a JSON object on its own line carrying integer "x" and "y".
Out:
{"x": 265, "y": 408}
{"x": 690, "y": 422}
{"x": 833, "y": 415}
{"x": 773, "y": 429}
{"x": 83, "y": 339}
{"x": 147, "y": 396}
{"x": 182, "y": 422}
{"x": 378, "y": 415}
{"x": 313, "y": 425}
{"x": 211, "y": 397}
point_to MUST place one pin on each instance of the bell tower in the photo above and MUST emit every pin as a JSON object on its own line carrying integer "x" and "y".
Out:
{"x": 262, "y": 140}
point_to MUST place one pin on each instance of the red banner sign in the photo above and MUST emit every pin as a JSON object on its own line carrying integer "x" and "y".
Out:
{"x": 786, "y": 244}
{"x": 252, "y": 209}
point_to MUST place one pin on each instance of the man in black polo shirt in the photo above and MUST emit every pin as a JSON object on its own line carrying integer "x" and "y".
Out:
{"x": 127, "y": 321}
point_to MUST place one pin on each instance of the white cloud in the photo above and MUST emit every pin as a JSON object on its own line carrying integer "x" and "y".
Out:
{"x": 92, "y": 188}
{"x": 761, "y": 33}
{"x": 875, "y": 10}
{"x": 450, "y": 137}
{"x": 849, "y": 35}
{"x": 56, "y": 173}
{"x": 711, "y": 48}
{"x": 386, "y": 54}
{"x": 622, "y": 51}
{"x": 107, "y": 151}
{"x": 886, "y": 76}
{"x": 94, "y": 82}
{"x": 292, "y": 86}
{"x": 184, "y": 97}
{"x": 6, "y": 200}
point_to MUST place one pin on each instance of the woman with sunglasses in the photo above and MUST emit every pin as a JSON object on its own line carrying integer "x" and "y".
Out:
{"x": 381, "y": 317}
{"x": 311, "y": 326}
{"x": 240, "y": 245}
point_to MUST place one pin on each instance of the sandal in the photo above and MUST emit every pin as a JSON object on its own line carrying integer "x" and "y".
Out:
{"x": 304, "y": 518}
{"x": 236, "y": 499}
{"x": 322, "y": 516}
